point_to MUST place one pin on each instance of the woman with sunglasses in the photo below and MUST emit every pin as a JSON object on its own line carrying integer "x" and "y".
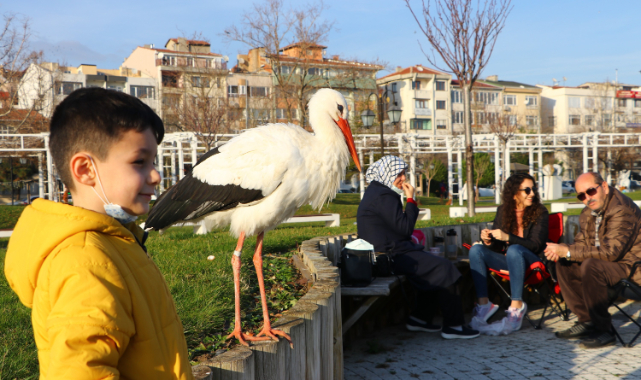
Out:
{"x": 518, "y": 237}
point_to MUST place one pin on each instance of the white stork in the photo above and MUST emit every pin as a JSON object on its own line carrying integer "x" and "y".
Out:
{"x": 259, "y": 179}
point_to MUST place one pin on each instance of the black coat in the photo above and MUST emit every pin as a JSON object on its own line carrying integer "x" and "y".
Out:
{"x": 382, "y": 222}
{"x": 534, "y": 236}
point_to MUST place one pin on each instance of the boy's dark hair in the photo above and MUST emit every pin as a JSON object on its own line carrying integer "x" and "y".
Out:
{"x": 92, "y": 119}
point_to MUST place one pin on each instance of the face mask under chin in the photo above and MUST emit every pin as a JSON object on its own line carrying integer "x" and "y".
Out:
{"x": 111, "y": 209}
{"x": 397, "y": 190}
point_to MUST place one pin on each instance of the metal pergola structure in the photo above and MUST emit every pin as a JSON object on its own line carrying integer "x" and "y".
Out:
{"x": 179, "y": 152}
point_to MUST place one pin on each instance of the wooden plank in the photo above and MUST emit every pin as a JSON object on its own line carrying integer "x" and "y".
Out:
{"x": 310, "y": 314}
{"x": 358, "y": 313}
{"x": 236, "y": 364}
{"x": 292, "y": 358}
{"x": 202, "y": 372}
{"x": 325, "y": 303}
{"x": 266, "y": 360}
{"x": 381, "y": 286}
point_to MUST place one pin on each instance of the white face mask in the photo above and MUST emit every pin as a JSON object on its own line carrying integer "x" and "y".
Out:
{"x": 113, "y": 210}
{"x": 397, "y": 190}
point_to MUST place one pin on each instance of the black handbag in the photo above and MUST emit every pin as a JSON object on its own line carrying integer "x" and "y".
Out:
{"x": 356, "y": 267}
{"x": 383, "y": 265}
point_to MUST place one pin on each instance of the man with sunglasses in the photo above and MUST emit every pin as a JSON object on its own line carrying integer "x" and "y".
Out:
{"x": 603, "y": 252}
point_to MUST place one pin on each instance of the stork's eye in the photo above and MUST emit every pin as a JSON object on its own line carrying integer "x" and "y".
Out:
{"x": 340, "y": 108}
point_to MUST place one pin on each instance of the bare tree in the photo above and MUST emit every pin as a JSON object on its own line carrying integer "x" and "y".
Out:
{"x": 463, "y": 33}
{"x": 430, "y": 169}
{"x": 504, "y": 125}
{"x": 273, "y": 27}
{"x": 481, "y": 164}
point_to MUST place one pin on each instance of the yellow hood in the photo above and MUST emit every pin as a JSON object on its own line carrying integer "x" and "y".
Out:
{"x": 42, "y": 227}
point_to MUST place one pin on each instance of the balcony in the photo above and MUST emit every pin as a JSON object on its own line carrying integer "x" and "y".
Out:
{"x": 422, "y": 94}
{"x": 422, "y": 112}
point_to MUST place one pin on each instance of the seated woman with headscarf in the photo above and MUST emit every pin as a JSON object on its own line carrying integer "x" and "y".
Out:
{"x": 383, "y": 223}
{"x": 517, "y": 238}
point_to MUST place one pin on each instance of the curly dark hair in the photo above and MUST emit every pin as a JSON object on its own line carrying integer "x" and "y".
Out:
{"x": 508, "y": 217}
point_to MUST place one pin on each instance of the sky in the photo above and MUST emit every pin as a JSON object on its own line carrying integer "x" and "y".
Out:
{"x": 583, "y": 41}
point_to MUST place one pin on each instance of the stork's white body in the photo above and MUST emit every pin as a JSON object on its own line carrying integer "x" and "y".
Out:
{"x": 291, "y": 167}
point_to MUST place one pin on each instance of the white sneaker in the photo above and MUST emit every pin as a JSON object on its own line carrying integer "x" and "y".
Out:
{"x": 515, "y": 316}
{"x": 485, "y": 312}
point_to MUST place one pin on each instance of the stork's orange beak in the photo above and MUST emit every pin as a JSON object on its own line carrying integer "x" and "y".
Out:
{"x": 349, "y": 139}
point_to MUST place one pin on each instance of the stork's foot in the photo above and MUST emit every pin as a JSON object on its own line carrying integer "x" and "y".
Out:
{"x": 272, "y": 334}
{"x": 244, "y": 338}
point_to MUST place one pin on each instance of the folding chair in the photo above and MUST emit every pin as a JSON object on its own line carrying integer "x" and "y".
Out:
{"x": 626, "y": 288}
{"x": 537, "y": 276}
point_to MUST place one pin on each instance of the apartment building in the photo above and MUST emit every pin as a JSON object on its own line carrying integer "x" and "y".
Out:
{"x": 485, "y": 107}
{"x": 187, "y": 74}
{"x": 521, "y": 104}
{"x": 43, "y": 86}
{"x": 424, "y": 97}
{"x": 305, "y": 67}
{"x": 602, "y": 107}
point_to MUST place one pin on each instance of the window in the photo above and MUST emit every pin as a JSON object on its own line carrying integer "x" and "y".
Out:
{"x": 142, "y": 92}
{"x": 589, "y": 103}
{"x": 200, "y": 81}
{"x": 457, "y": 117}
{"x": 169, "y": 60}
{"x": 169, "y": 80}
{"x": 456, "y": 97}
{"x": 492, "y": 117}
{"x": 480, "y": 118}
{"x": 531, "y": 101}
{"x": 440, "y": 104}
{"x": 637, "y": 103}
{"x": 416, "y": 85}
{"x": 260, "y": 115}
{"x": 574, "y": 102}
{"x": 532, "y": 121}
{"x": 314, "y": 71}
{"x": 552, "y": 121}
{"x": 66, "y": 88}
{"x": 441, "y": 124}
{"x": 510, "y": 120}
{"x": 421, "y": 124}
{"x": 486, "y": 97}
{"x": 286, "y": 69}
{"x": 171, "y": 100}
{"x": 235, "y": 91}
{"x": 575, "y": 119}
{"x": 6, "y": 129}
{"x": 190, "y": 61}
{"x": 281, "y": 113}
{"x": 115, "y": 88}
{"x": 606, "y": 103}
{"x": 589, "y": 120}
{"x": 509, "y": 100}
{"x": 621, "y": 102}
{"x": 421, "y": 103}
{"x": 607, "y": 120}
{"x": 440, "y": 85}
{"x": 393, "y": 87}
{"x": 259, "y": 92}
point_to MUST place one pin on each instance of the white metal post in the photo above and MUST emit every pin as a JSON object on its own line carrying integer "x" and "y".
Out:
{"x": 497, "y": 171}
{"x": 160, "y": 167}
{"x": 595, "y": 152}
{"x": 585, "y": 153}
{"x": 173, "y": 167}
{"x": 181, "y": 160}
{"x": 531, "y": 161}
{"x": 41, "y": 178}
{"x": 507, "y": 161}
{"x": 361, "y": 175}
{"x": 194, "y": 151}
{"x": 460, "y": 177}
{"x": 540, "y": 171}
{"x": 450, "y": 176}
{"x": 50, "y": 179}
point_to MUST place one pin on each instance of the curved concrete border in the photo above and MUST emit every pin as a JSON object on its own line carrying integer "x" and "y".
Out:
{"x": 314, "y": 324}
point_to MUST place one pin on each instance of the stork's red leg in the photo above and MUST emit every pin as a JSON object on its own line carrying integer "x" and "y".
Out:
{"x": 258, "y": 263}
{"x": 235, "y": 263}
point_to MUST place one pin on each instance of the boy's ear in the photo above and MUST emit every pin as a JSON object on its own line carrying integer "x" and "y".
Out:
{"x": 82, "y": 169}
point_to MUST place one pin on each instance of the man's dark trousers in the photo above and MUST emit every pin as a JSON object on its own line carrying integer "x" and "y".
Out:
{"x": 584, "y": 288}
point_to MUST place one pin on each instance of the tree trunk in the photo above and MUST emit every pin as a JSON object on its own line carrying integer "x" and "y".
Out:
{"x": 506, "y": 169}
{"x": 469, "y": 152}
{"x": 428, "y": 187}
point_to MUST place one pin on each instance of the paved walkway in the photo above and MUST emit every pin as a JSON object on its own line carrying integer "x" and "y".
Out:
{"x": 395, "y": 353}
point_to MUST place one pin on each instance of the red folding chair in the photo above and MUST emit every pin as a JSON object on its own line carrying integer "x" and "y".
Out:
{"x": 537, "y": 276}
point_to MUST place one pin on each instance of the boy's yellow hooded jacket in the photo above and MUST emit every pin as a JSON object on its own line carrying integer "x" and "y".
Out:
{"x": 100, "y": 307}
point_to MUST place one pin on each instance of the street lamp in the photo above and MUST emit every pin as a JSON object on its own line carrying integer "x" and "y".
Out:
{"x": 393, "y": 113}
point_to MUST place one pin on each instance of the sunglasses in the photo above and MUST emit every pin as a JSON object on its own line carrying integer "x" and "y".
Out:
{"x": 591, "y": 192}
{"x": 528, "y": 190}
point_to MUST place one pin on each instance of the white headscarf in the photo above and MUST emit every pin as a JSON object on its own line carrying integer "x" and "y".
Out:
{"x": 386, "y": 170}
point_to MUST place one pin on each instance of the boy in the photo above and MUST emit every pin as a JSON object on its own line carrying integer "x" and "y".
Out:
{"x": 100, "y": 307}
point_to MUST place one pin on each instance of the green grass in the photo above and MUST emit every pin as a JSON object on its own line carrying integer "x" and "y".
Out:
{"x": 202, "y": 289}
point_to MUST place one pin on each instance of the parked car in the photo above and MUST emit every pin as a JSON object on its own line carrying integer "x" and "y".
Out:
{"x": 28, "y": 201}
{"x": 567, "y": 187}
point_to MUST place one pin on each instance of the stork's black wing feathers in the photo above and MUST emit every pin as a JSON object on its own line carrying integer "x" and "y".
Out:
{"x": 191, "y": 198}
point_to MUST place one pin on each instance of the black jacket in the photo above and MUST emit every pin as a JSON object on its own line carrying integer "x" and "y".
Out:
{"x": 534, "y": 236}
{"x": 382, "y": 222}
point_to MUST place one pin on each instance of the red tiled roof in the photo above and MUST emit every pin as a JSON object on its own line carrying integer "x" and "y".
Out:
{"x": 20, "y": 114}
{"x": 4, "y": 95}
{"x": 295, "y": 44}
{"x": 418, "y": 69}
{"x": 331, "y": 62}
{"x": 182, "y": 52}
{"x": 455, "y": 82}
{"x": 193, "y": 42}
